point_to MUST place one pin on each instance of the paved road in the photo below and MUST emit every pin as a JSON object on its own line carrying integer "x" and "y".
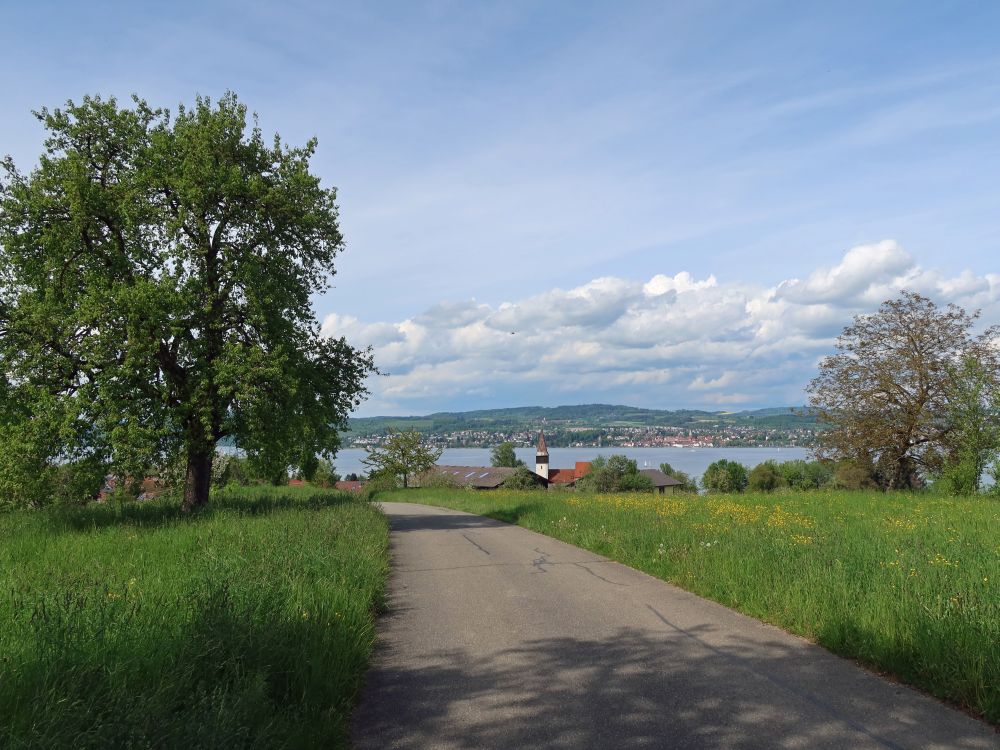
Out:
{"x": 502, "y": 638}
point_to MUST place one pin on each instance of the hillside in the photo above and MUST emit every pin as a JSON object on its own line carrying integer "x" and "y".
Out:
{"x": 586, "y": 416}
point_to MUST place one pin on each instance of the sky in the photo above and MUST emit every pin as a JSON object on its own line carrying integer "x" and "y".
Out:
{"x": 670, "y": 205}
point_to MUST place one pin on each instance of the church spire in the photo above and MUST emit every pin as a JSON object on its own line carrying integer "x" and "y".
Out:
{"x": 542, "y": 458}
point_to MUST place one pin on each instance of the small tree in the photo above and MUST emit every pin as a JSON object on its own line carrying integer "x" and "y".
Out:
{"x": 765, "y": 477}
{"x": 687, "y": 482}
{"x": 974, "y": 417}
{"x": 325, "y": 474}
{"x": 725, "y": 476}
{"x": 503, "y": 455}
{"x": 402, "y": 455}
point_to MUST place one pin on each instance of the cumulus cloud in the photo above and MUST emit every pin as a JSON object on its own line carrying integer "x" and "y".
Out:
{"x": 669, "y": 341}
{"x": 863, "y": 267}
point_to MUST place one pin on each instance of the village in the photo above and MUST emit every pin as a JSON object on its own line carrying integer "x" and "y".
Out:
{"x": 543, "y": 476}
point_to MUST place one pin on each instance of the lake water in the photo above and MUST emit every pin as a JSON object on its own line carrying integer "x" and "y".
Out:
{"x": 694, "y": 461}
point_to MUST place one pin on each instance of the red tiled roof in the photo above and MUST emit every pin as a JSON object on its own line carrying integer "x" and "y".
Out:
{"x": 562, "y": 476}
{"x": 349, "y": 485}
{"x": 582, "y": 469}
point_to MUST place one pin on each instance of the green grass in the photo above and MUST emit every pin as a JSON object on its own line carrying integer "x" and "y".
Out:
{"x": 907, "y": 584}
{"x": 131, "y": 626}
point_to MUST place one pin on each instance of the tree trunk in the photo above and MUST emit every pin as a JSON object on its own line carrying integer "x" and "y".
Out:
{"x": 198, "y": 479}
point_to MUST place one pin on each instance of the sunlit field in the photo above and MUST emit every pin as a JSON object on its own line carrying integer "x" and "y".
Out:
{"x": 907, "y": 584}
{"x": 130, "y": 626}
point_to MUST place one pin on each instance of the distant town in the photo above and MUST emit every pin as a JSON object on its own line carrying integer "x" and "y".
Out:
{"x": 597, "y": 426}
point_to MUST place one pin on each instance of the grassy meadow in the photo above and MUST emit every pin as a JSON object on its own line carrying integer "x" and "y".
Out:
{"x": 132, "y": 626}
{"x": 905, "y": 583}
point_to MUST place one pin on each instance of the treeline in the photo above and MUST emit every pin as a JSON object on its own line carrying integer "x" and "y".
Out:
{"x": 557, "y": 420}
{"x": 732, "y": 476}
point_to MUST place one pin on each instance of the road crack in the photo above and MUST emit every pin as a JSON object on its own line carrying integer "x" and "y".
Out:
{"x": 476, "y": 545}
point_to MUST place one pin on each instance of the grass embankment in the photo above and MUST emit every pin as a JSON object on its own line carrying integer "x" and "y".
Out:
{"x": 905, "y": 583}
{"x": 131, "y": 626}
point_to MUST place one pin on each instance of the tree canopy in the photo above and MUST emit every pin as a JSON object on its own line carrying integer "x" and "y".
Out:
{"x": 155, "y": 282}
{"x": 403, "y": 455}
{"x": 503, "y": 455}
{"x": 889, "y": 391}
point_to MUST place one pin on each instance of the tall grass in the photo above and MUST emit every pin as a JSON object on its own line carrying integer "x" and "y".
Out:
{"x": 132, "y": 626}
{"x": 908, "y": 584}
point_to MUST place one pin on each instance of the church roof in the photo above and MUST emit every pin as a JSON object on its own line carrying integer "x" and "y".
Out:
{"x": 541, "y": 444}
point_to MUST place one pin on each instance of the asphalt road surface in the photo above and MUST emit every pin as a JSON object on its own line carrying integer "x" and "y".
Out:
{"x": 498, "y": 637}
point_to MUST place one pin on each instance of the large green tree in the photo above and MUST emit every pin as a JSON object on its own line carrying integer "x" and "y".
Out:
{"x": 155, "y": 281}
{"x": 888, "y": 392}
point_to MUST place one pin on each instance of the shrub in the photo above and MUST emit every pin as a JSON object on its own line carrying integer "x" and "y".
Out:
{"x": 436, "y": 479}
{"x": 849, "y": 475}
{"x": 522, "y": 479}
{"x": 806, "y": 475}
{"x": 725, "y": 476}
{"x": 380, "y": 481}
{"x": 765, "y": 477}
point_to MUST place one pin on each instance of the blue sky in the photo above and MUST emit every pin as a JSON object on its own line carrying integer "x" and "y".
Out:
{"x": 633, "y": 187}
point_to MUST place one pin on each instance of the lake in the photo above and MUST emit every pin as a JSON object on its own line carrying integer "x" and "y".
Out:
{"x": 694, "y": 461}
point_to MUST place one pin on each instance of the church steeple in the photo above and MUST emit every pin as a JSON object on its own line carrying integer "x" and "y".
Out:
{"x": 542, "y": 458}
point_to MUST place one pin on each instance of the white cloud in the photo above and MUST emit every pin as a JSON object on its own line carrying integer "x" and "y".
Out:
{"x": 862, "y": 267}
{"x": 670, "y": 341}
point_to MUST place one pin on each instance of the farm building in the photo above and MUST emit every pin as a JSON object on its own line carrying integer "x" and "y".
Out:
{"x": 476, "y": 477}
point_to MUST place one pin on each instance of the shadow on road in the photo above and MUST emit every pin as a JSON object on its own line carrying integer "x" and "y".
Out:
{"x": 629, "y": 690}
{"x": 441, "y": 522}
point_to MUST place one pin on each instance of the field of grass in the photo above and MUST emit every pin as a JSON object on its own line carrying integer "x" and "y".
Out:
{"x": 130, "y": 626}
{"x": 908, "y": 584}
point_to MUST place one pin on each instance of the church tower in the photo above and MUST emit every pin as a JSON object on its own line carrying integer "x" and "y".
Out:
{"x": 542, "y": 458}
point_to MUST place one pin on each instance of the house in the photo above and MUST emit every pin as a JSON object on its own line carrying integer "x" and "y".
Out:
{"x": 662, "y": 483}
{"x": 475, "y": 477}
